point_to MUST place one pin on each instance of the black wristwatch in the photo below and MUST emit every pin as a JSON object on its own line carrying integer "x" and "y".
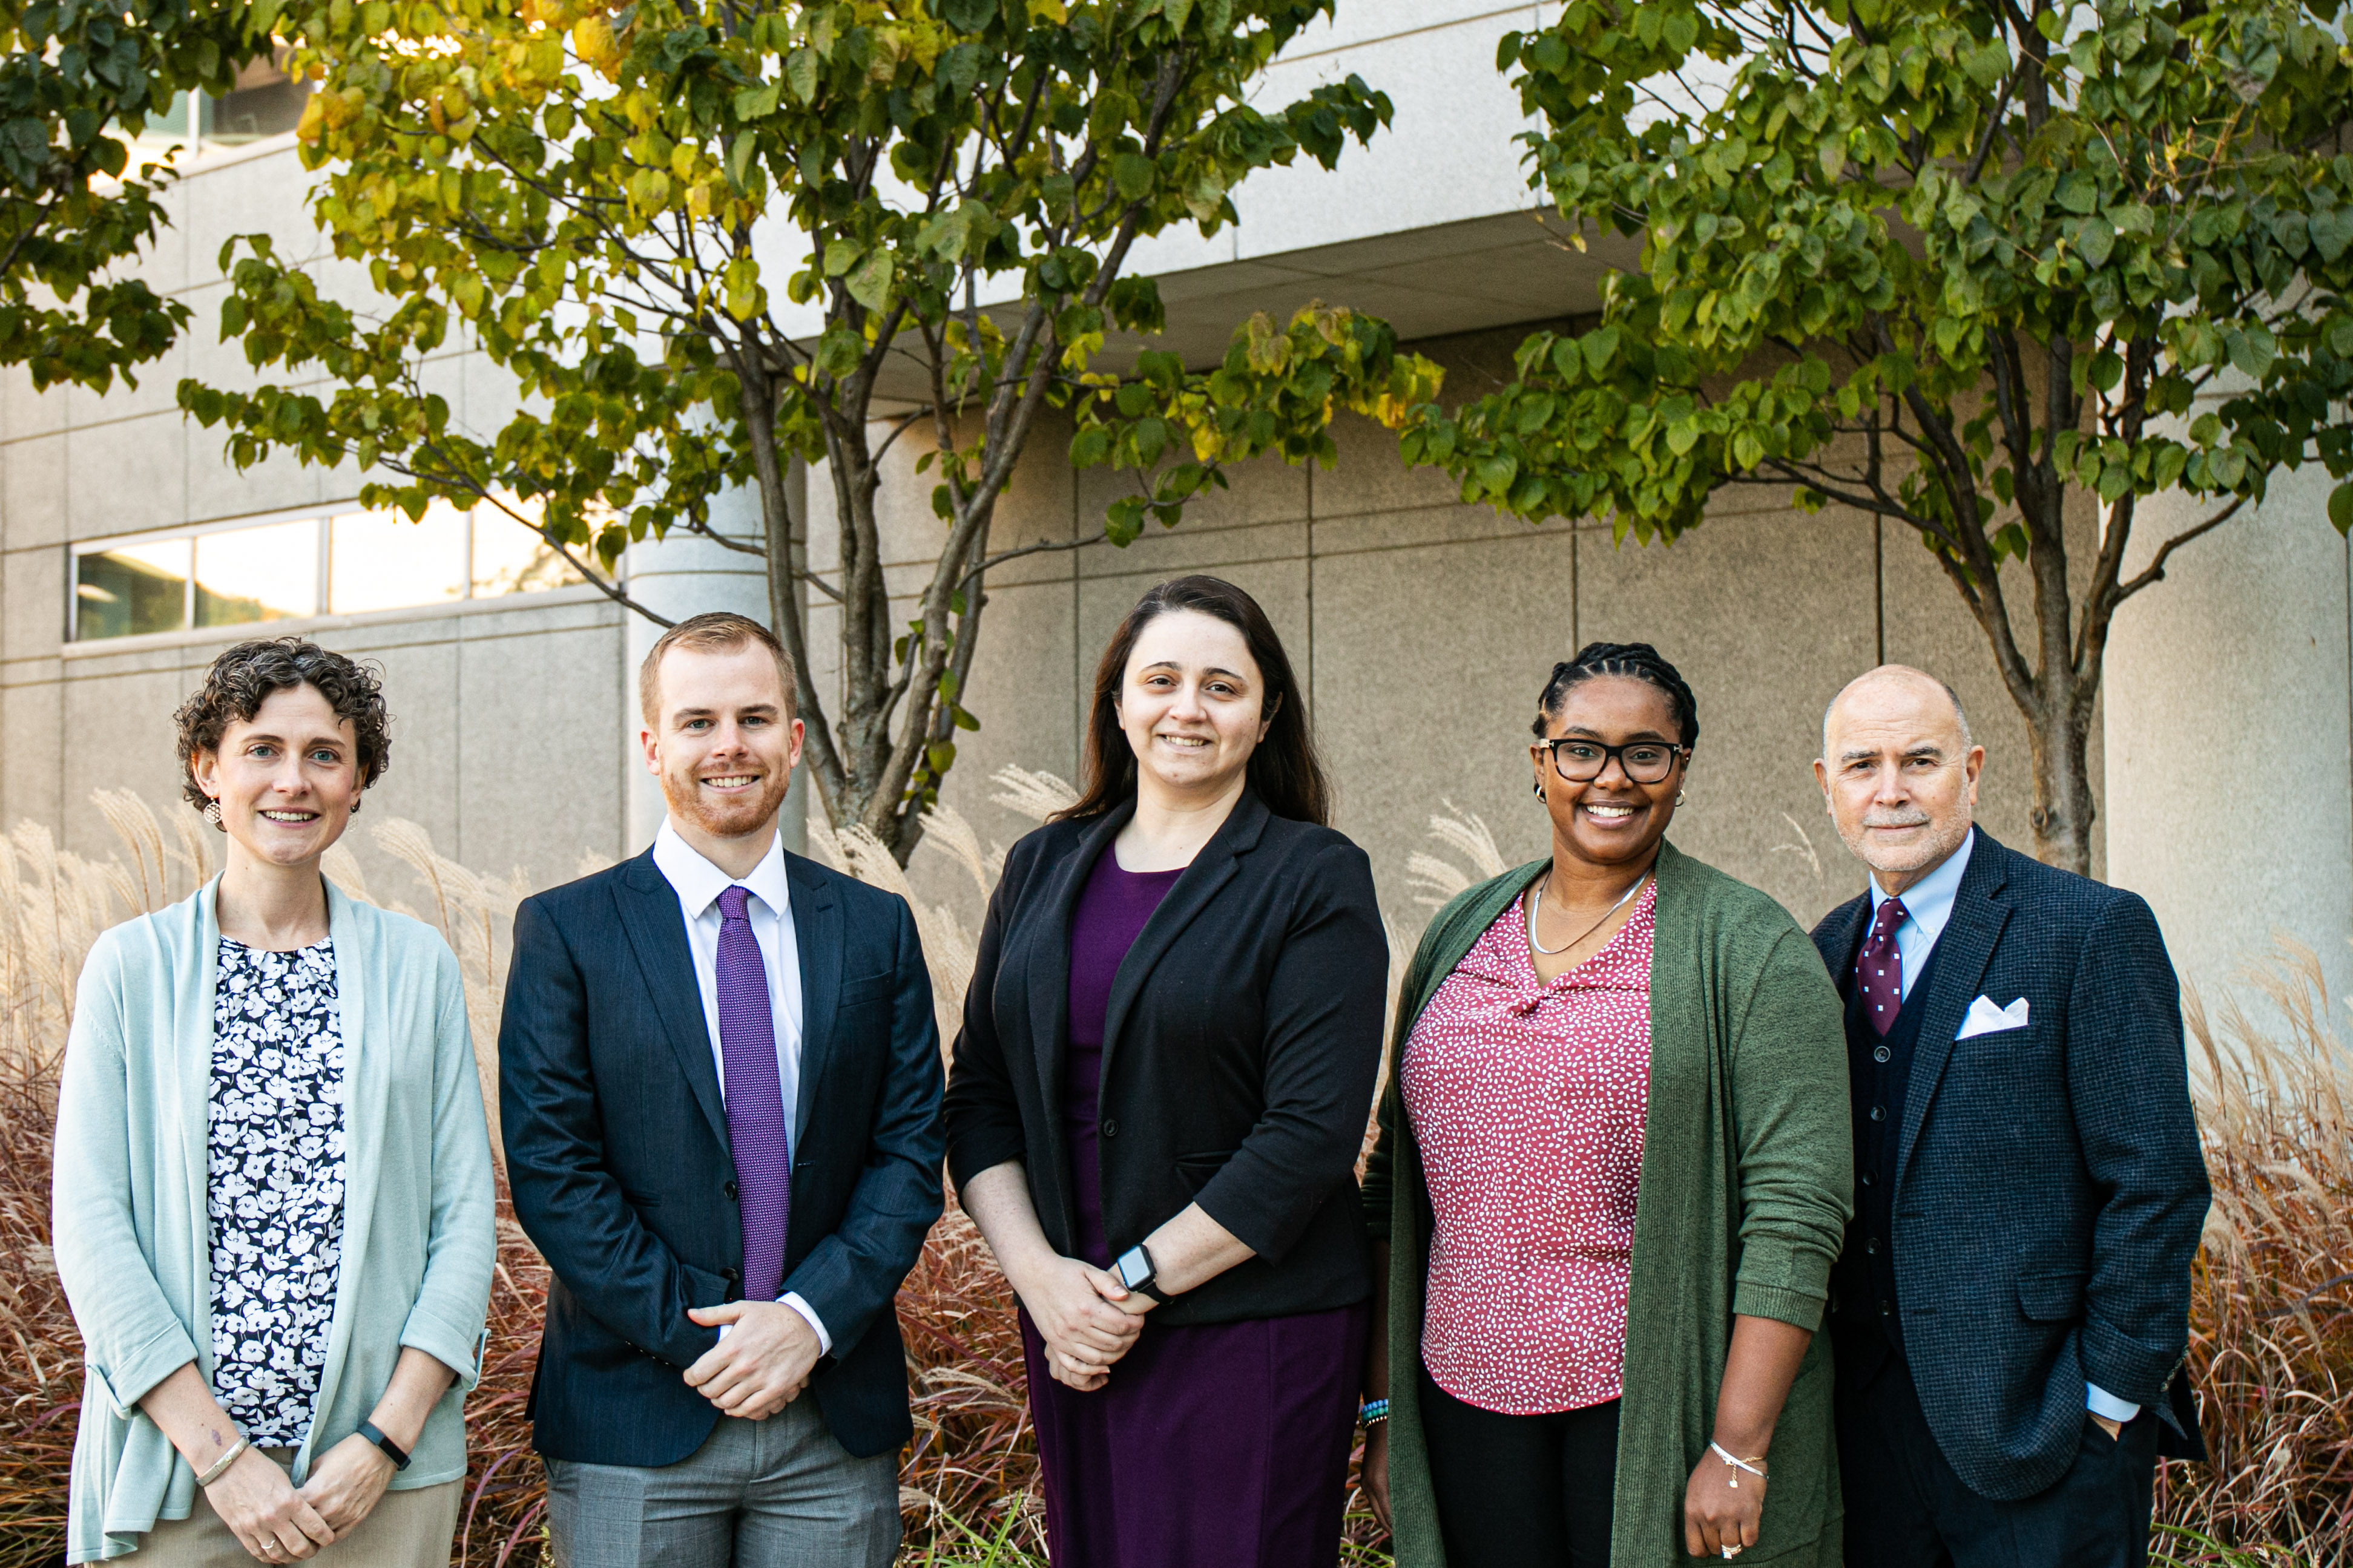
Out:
{"x": 392, "y": 1450}
{"x": 1136, "y": 1272}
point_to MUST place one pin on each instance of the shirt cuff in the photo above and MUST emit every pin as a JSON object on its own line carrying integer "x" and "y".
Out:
{"x": 2100, "y": 1402}
{"x": 808, "y": 1315}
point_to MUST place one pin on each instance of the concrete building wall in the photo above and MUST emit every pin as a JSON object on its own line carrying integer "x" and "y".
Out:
{"x": 1422, "y": 627}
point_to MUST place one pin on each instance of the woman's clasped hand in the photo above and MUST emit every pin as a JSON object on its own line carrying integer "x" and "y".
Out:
{"x": 1086, "y": 1317}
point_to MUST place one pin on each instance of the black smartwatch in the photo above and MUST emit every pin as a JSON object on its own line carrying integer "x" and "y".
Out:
{"x": 1136, "y": 1272}
{"x": 392, "y": 1450}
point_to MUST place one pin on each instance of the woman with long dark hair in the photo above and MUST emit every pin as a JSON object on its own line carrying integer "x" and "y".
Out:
{"x": 1158, "y": 1095}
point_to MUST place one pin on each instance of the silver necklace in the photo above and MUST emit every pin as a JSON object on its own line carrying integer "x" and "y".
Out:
{"x": 1536, "y": 913}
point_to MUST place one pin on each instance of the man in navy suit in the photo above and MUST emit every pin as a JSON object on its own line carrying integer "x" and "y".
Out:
{"x": 2010, "y": 1311}
{"x": 720, "y": 1083}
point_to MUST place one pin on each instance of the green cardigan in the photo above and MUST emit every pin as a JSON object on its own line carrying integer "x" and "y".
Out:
{"x": 132, "y": 1233}
{"x": 1747, "y": 1186}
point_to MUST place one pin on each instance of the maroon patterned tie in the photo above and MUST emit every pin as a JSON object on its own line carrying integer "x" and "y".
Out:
{"x": 755, "y": 1101}
{"x": 1879, "y": 968}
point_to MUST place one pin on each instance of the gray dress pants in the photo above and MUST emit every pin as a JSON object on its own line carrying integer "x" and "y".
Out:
{"x": 778, "y": 1494}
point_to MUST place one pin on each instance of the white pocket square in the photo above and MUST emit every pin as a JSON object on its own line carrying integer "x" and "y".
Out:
{"x": 1985, "y": 1018}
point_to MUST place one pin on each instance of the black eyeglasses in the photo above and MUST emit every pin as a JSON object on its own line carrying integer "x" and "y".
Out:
{"x": 1581, "y": 760}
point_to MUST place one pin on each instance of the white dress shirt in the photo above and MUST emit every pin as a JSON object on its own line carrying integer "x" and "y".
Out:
{"x": 769, "y": 909}
{"x": 1928, "y": 907}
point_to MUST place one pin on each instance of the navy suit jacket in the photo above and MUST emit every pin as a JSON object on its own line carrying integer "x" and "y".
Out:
{"x": 2049, "y": 1187}
{"x": 619, "y": 1156}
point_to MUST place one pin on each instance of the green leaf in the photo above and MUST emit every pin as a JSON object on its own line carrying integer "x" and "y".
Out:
{"x": 1132, "y": 174}
{"x": 2331, "y": 231}
{"x": 2341, "y": 507}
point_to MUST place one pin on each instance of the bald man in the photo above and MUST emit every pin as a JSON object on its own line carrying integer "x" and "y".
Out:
{"x": 2010, "y": 1311}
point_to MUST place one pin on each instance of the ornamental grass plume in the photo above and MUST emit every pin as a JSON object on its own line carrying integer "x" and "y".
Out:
{"x": 2272, "y": 1317}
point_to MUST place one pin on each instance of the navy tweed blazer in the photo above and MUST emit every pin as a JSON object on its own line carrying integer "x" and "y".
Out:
{"x": 2049, "y": 1188}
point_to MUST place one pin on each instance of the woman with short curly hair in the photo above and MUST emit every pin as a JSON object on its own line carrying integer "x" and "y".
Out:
{"x": 273, "y": 1193}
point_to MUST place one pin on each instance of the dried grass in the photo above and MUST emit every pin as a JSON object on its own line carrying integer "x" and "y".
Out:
{"x": 2271, "y": 1322}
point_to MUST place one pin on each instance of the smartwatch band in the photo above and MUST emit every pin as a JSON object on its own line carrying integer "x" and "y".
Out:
{"x": 392, "y": 1450}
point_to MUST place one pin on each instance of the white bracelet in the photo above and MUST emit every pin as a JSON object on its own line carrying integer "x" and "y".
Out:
{"x": 1748, "y": 1465}
{"x": 221, "y": 1465}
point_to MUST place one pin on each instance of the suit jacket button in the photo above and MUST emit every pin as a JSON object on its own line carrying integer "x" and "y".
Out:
{"x": 729, "y": 1275}
{"x": 1111, "y": 1127}
{"x": 1879, "y": 1113}
{"x": 1866, "y": 1178}
{"x": 1881, "y": 1053}
{"x": 731, "y": 1189}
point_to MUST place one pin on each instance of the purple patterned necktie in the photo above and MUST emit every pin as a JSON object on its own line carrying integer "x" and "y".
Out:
{"x": 755, "y": 1101}
{"x": 1879, "y": 968}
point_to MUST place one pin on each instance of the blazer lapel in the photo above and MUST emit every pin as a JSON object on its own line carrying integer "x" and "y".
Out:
{"x": 817, "y": 938}
{"x": 1211, "y": 870}
{"x": 1961, "y": 953}
{"x": 657, "y": 934}
{"x": 1843, "y": 936}
{"x": 1047, "y": 964}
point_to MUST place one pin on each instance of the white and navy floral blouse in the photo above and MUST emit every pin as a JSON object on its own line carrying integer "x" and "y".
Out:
{"x": 275, "y": 1186}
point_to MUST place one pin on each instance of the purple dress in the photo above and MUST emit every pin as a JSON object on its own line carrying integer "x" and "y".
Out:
{"x": 1224, "y": 1443}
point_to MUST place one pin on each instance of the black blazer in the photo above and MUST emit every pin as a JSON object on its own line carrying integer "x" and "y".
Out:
{"x": 2049, "y": 1187}
{"x": 619, "y": 1156}
{"x": 1240, "y": 1048}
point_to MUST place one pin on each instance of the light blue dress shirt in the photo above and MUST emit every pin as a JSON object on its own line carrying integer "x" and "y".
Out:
{"x": 1928, "y": 907}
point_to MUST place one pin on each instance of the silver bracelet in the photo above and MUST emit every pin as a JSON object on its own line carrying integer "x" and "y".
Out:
{"x": 221, "y": 1465}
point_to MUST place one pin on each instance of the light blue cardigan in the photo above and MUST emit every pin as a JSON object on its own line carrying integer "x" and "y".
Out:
{"x": 133, "y": 1240}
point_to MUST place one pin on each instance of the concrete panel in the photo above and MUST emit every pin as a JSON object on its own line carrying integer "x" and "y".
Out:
{"x": 128, "y": 476}
{"x": 1027, "y": 688}
{"x": 1416, "y": 710}
{"x": 23, "y": 411}
{"x": 1267, "y": 490}
{"x": 149, "y": 388}
{"x": 539, "y": 782}
{"x": 254, "y": 195}
{"x": 2248, "y": 630}
{"x": 32, "y": 604}
{"x": 1766, "y": 617}
{"x": 1449, "y": 152}
{"x": 1370, "y": 478}
{"x": 32, "y": 744}
{"x": 33, "y": 482}
{"x": 420, "y": 782}
{"x": 118, "y": 734}
{"x": 217, "y": 489}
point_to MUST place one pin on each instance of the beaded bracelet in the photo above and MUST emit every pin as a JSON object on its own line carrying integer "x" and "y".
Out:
{"x": 1374, "y": 1413}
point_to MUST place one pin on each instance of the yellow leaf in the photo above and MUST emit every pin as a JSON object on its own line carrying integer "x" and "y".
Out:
{"x": 1052, "y": 11}
{"x": 313, "y": 122}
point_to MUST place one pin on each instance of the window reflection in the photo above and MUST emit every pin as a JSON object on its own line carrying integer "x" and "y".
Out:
{"x": 381, "y": 561}
{"x": 258, "y": 574}
{"x": 264, "y": 101}
{"x": 132, "y": 589}
{"x": 511, "y": 557}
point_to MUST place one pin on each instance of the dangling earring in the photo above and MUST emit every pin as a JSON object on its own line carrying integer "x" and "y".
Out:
{"x": 213, "y": 813}
{"x": 1538, "y": 786}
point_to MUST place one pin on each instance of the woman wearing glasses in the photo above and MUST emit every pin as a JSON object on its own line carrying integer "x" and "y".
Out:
{"x": 1613, "y": 1171}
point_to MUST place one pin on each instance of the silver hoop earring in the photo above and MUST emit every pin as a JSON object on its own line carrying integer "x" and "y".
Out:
{"x": 1681, "y": 797}
{"x": 213, "y": 814}
{"x": 1540, "y": 795}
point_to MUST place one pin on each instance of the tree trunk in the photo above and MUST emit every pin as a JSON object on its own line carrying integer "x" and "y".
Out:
{"x": 2063, "y": 811}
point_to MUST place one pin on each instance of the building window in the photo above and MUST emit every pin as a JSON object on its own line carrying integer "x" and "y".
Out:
{"x": 348, "y": 562}
{"x": 263, "y": 101}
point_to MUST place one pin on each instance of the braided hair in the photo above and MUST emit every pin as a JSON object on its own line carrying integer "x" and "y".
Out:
{"x": 1635, "y": 660}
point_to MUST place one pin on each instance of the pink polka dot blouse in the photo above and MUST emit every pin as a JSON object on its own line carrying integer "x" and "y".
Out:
{"x": 1527, "y": 1100}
